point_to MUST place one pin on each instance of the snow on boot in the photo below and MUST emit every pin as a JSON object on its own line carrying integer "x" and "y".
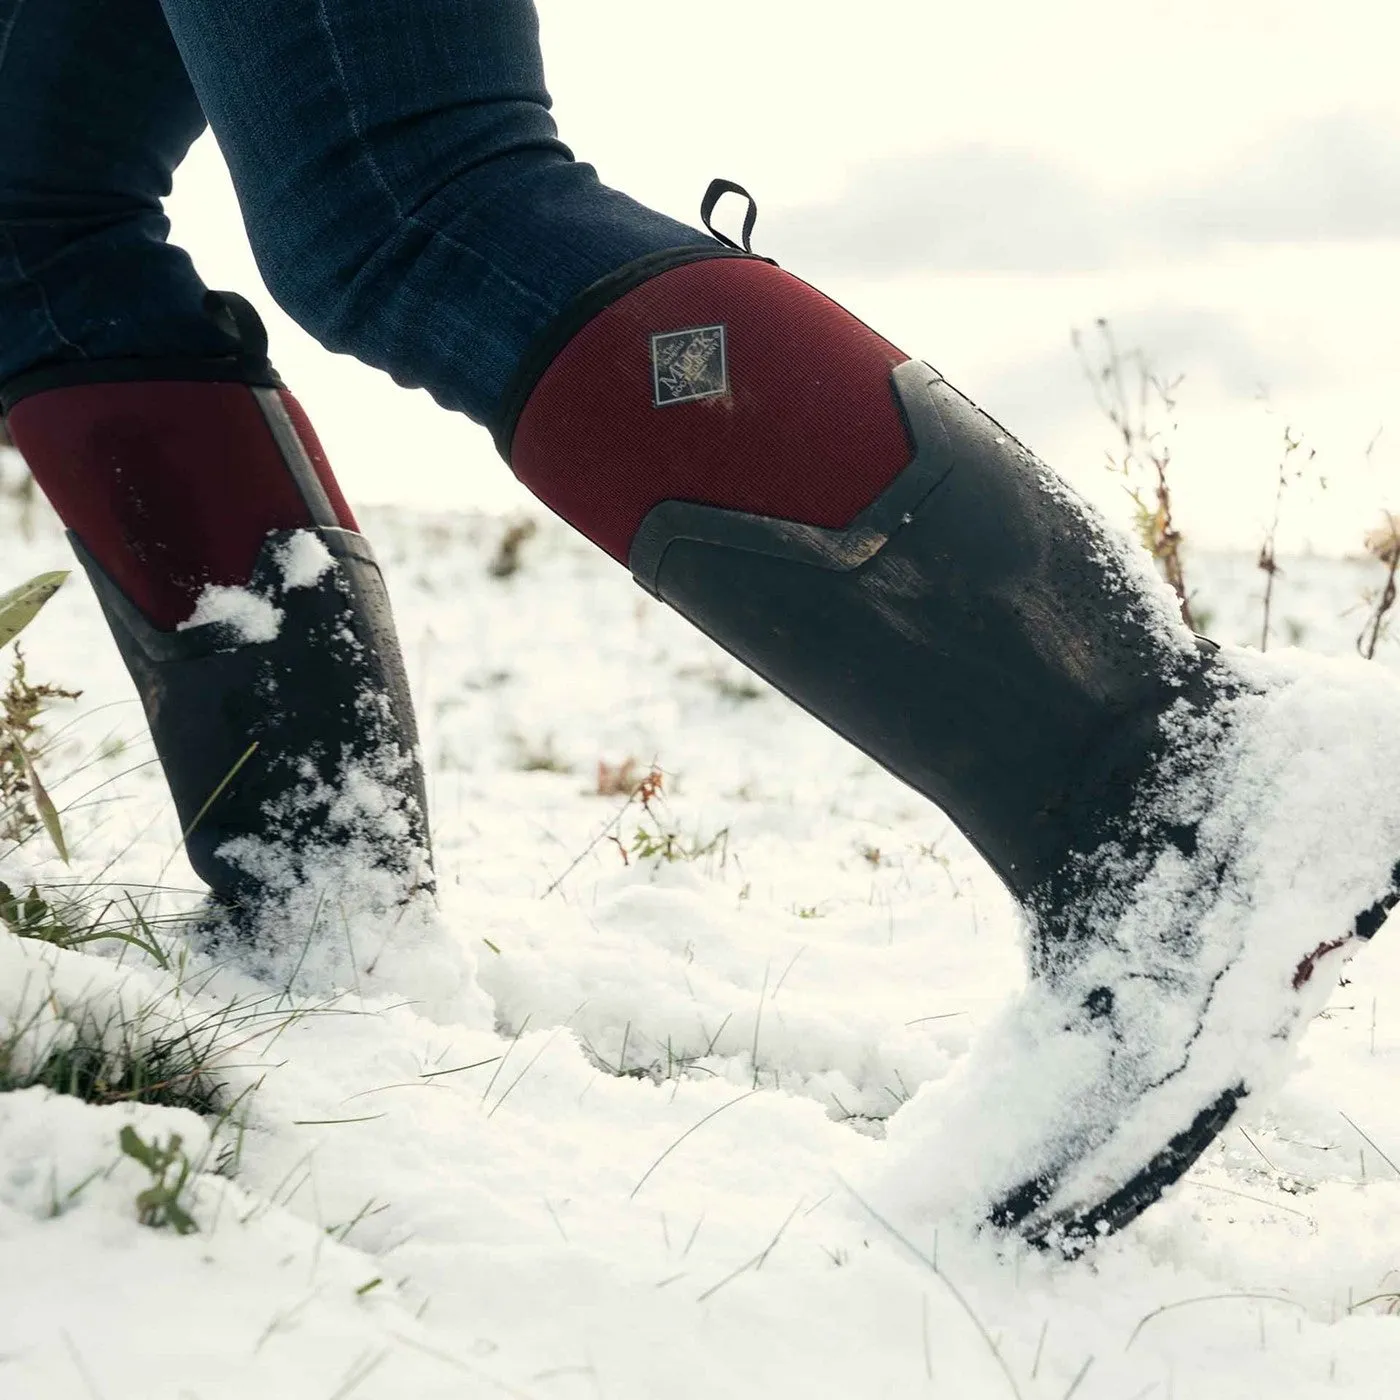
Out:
{"x": 1168, "y": 816}
{"x": 251, "y": 615}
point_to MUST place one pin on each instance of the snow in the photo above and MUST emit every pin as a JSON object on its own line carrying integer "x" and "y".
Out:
{"x": 436, "y": 1104}
{"x": 304, "y": 559}
{"x": 251, "y": 616}
{"x": 248, "y": 615}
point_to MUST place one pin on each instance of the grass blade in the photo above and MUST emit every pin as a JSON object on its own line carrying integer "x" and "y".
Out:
{"x": 43, "y": 803}
{"x": 19, "y": 606}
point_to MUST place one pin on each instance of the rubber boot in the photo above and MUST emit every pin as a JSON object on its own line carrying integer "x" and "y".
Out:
{"x": 250, "y": 613}
{"x": 841, "y": 519}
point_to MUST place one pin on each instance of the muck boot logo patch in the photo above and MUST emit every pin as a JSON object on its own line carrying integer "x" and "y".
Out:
{"x": 689, "y": 365}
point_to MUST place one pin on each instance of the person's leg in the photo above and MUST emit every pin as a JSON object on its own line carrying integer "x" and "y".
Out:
{"x": 95, "y": 114}
{"x": 402, "y": 181}
{"x": 843, "y": 520}
{"x": 148, "y": 413}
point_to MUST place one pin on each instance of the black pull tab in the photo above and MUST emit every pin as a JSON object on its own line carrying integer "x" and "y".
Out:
{"x": 718, "y": 189}
{"x": 236, "y": 317}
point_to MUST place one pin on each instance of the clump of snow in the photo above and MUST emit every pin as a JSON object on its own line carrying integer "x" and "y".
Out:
{"x": 346, "y": 904}
{"x": 335, "y": 918}
{"x": 304, "y": 559}
{"x": 51, "y": 998}
{"x": 63, "y": 1158}
{"x": 251, "y": 616}
{"x": 247, "y": 614}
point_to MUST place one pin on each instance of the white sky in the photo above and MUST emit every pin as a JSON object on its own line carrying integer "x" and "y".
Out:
{"x": 1220, "y": 179}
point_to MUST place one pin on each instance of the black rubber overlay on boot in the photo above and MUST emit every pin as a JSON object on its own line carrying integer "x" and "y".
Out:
{"x": 1073, "y": 1231}
{"x": 239, "y": 724}
{"x": 970, "y": 630}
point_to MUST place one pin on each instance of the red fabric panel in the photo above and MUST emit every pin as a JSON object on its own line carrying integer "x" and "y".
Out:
{"x": 169, "y": 485}
{"x": 809, "y": 430}
{"x": 319, "y": 460}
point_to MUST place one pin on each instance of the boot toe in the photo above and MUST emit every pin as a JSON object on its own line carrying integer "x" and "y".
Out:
{"x": 1175, "y": 969}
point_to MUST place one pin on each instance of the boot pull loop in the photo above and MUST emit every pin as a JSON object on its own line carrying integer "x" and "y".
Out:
{"x": 235, "y": 316}
{"x": 717, "y": 190}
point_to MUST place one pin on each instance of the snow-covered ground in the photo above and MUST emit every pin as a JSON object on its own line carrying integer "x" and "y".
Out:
{"x": 603, "y": 1130}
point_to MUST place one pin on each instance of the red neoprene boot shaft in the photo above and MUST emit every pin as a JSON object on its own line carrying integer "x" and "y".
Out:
{"x": 173, "y": 485}
{"x": 724, "y": 382}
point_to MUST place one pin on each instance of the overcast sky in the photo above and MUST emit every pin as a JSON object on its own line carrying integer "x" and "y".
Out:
{"x": 964, "y": 207}
{"x": 1220, "y": 178}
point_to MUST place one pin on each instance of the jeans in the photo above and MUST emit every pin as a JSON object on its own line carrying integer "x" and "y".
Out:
{"x": 403, "y": 185}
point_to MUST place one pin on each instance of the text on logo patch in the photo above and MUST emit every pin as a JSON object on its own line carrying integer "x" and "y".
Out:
{"x": 688, "y": 365}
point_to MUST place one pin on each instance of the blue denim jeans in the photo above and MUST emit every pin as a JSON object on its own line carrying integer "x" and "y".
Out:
{"x": 404, "y": 187}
